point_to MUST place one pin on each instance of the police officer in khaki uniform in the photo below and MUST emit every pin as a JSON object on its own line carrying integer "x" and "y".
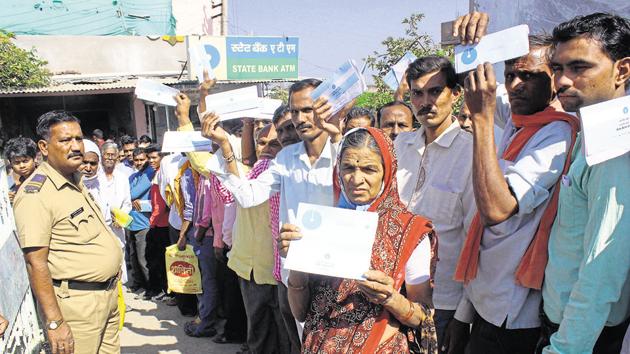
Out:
{"x": 73, "y": 259}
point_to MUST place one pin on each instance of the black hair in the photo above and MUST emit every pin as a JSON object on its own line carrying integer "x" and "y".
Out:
{"x": 126, "y": 139}
{"x": 152, "y": 148}
{"x": 611, "y": 31}
{"x": 302, "y": 84}
{"x": 97, "y": 133}
{"x": 48, "y": 119}
{"x": 391, "y": 104}
{"x": 138, "y": 151}
{"x": 20, "y": 147}
{"x": 279, "y": 113}
{"x": 429, "y": 64}
{"x": 145, "y": 139}
{"x": 357, "y": 112}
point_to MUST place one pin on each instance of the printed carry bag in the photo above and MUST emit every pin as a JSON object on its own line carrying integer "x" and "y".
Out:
{"x": 182, "y": 270}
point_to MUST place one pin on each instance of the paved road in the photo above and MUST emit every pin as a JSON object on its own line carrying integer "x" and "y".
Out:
{"x": 154, "y": 328}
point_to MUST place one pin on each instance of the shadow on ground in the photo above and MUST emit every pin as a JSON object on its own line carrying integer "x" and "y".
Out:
{"x": 152, "y": 327}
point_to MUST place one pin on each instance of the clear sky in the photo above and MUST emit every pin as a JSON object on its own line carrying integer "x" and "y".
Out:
{"x": 332, "y": 31}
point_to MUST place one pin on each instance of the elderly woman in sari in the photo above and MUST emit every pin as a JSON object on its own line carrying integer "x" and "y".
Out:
{"x": 389, "y": 311}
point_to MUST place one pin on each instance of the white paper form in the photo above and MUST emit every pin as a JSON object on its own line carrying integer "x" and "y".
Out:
{"x": 234, "y": 104}
{"x": 185, "y": 141}
{"x": 345, "y": 85}
{"x": 390, "y": 80}
{"x": 396, "y": 74}
{"x": 153, "y": 91}
{"x": 267, "y": 107}
{"x": 606, "y": 130}
{"x": 335, "y": 242}
{"x": 199, "y": 61}
{"x": 495, "y": 47}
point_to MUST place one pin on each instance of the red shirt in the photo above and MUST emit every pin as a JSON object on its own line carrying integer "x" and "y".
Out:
{"x": 159, "y": 214}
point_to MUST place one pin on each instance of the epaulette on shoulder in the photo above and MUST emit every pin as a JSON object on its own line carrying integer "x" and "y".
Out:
{"x": 35, "y": 184}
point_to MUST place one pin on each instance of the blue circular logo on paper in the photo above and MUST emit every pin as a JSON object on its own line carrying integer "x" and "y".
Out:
{"x": 311, "y": 219}
{"x": 469, "y": 56}
{"x": 625, "y": 110}
{"x": 214, "y": 55}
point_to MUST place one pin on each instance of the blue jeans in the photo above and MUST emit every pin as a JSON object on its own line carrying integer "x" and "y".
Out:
{"x": 208, "y": 300}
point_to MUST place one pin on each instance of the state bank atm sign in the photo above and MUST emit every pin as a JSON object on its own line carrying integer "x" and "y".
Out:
{"x": 250, "y": 58}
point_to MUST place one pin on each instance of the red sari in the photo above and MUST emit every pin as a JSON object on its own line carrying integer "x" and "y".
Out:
{"x": 340, "y": 318}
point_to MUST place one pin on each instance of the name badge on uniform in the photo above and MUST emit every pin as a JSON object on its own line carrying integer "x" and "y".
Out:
{"x": 566, "y": 181}
{"x": 76, "y": 213}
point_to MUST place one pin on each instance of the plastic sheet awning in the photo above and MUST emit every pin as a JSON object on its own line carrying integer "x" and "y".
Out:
{"x": 87, "y": 17}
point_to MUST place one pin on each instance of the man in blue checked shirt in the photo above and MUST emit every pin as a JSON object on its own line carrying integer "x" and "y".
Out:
{"x": 140, "y": 184}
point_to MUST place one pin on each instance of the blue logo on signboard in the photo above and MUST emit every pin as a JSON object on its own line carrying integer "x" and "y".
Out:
{"x": 625, "y": 110}
{"x": 213, "y": 52}
{"x": 469, "y": 56}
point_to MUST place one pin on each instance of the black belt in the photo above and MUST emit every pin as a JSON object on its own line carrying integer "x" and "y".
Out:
{"x": 84, "y": 285}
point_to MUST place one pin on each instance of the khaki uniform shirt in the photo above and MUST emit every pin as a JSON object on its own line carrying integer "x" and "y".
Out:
{"x": 52, "y": 212}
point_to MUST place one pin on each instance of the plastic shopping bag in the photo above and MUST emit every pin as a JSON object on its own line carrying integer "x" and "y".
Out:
{"x": 121, "y": 305}
{"x": 182, "y": 270}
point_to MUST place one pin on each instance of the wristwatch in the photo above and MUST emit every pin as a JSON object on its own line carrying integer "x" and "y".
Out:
{"x": 52, "y": 325}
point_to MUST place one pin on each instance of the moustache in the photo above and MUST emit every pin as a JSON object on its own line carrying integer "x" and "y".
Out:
{"x": 75, "y": 154}
{"x": 426, "y": 110}
{"x": 303, "y": 125}
{"x": 566, "y": 91}
{"x": 516, "y": 96}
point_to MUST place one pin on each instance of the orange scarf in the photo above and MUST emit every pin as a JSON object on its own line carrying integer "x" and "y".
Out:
{"x": 531, "y": 270}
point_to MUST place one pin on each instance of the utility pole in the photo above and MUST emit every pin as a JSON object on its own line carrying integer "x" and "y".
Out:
{"x": 224, "y": 18}
{"x": 219, "y": 17}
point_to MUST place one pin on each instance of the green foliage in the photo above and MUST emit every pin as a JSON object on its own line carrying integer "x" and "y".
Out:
{"x": 20, "y": 68}
{"x": 418, "y": 43}
{"x": 279, "y": 93}
{"x": 373, "y": 100}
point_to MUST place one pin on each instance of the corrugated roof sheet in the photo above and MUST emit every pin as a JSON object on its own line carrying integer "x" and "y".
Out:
{"x": 119, "y": 85}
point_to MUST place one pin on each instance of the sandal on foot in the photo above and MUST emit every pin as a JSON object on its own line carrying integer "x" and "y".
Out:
{"x": 193, "y": 330}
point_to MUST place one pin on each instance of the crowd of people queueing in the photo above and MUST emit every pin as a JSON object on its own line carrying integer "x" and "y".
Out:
{"x": 494, "y": 235}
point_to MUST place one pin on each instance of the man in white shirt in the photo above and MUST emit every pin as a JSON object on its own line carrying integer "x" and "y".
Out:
{"x": 513, "y": 188}
{"x": 434, "y": 176}
{"x": 114, "y": 188}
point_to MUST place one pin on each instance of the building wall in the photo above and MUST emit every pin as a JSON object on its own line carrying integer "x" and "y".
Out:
{"x": 107, "y": 55}
{"x": 193, "y": 17}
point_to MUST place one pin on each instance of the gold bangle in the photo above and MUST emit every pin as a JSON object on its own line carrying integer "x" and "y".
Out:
{"x": 407, "y": 317}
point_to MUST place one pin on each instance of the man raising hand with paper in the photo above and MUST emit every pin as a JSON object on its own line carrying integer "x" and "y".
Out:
{"x": 504, "y": 254}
